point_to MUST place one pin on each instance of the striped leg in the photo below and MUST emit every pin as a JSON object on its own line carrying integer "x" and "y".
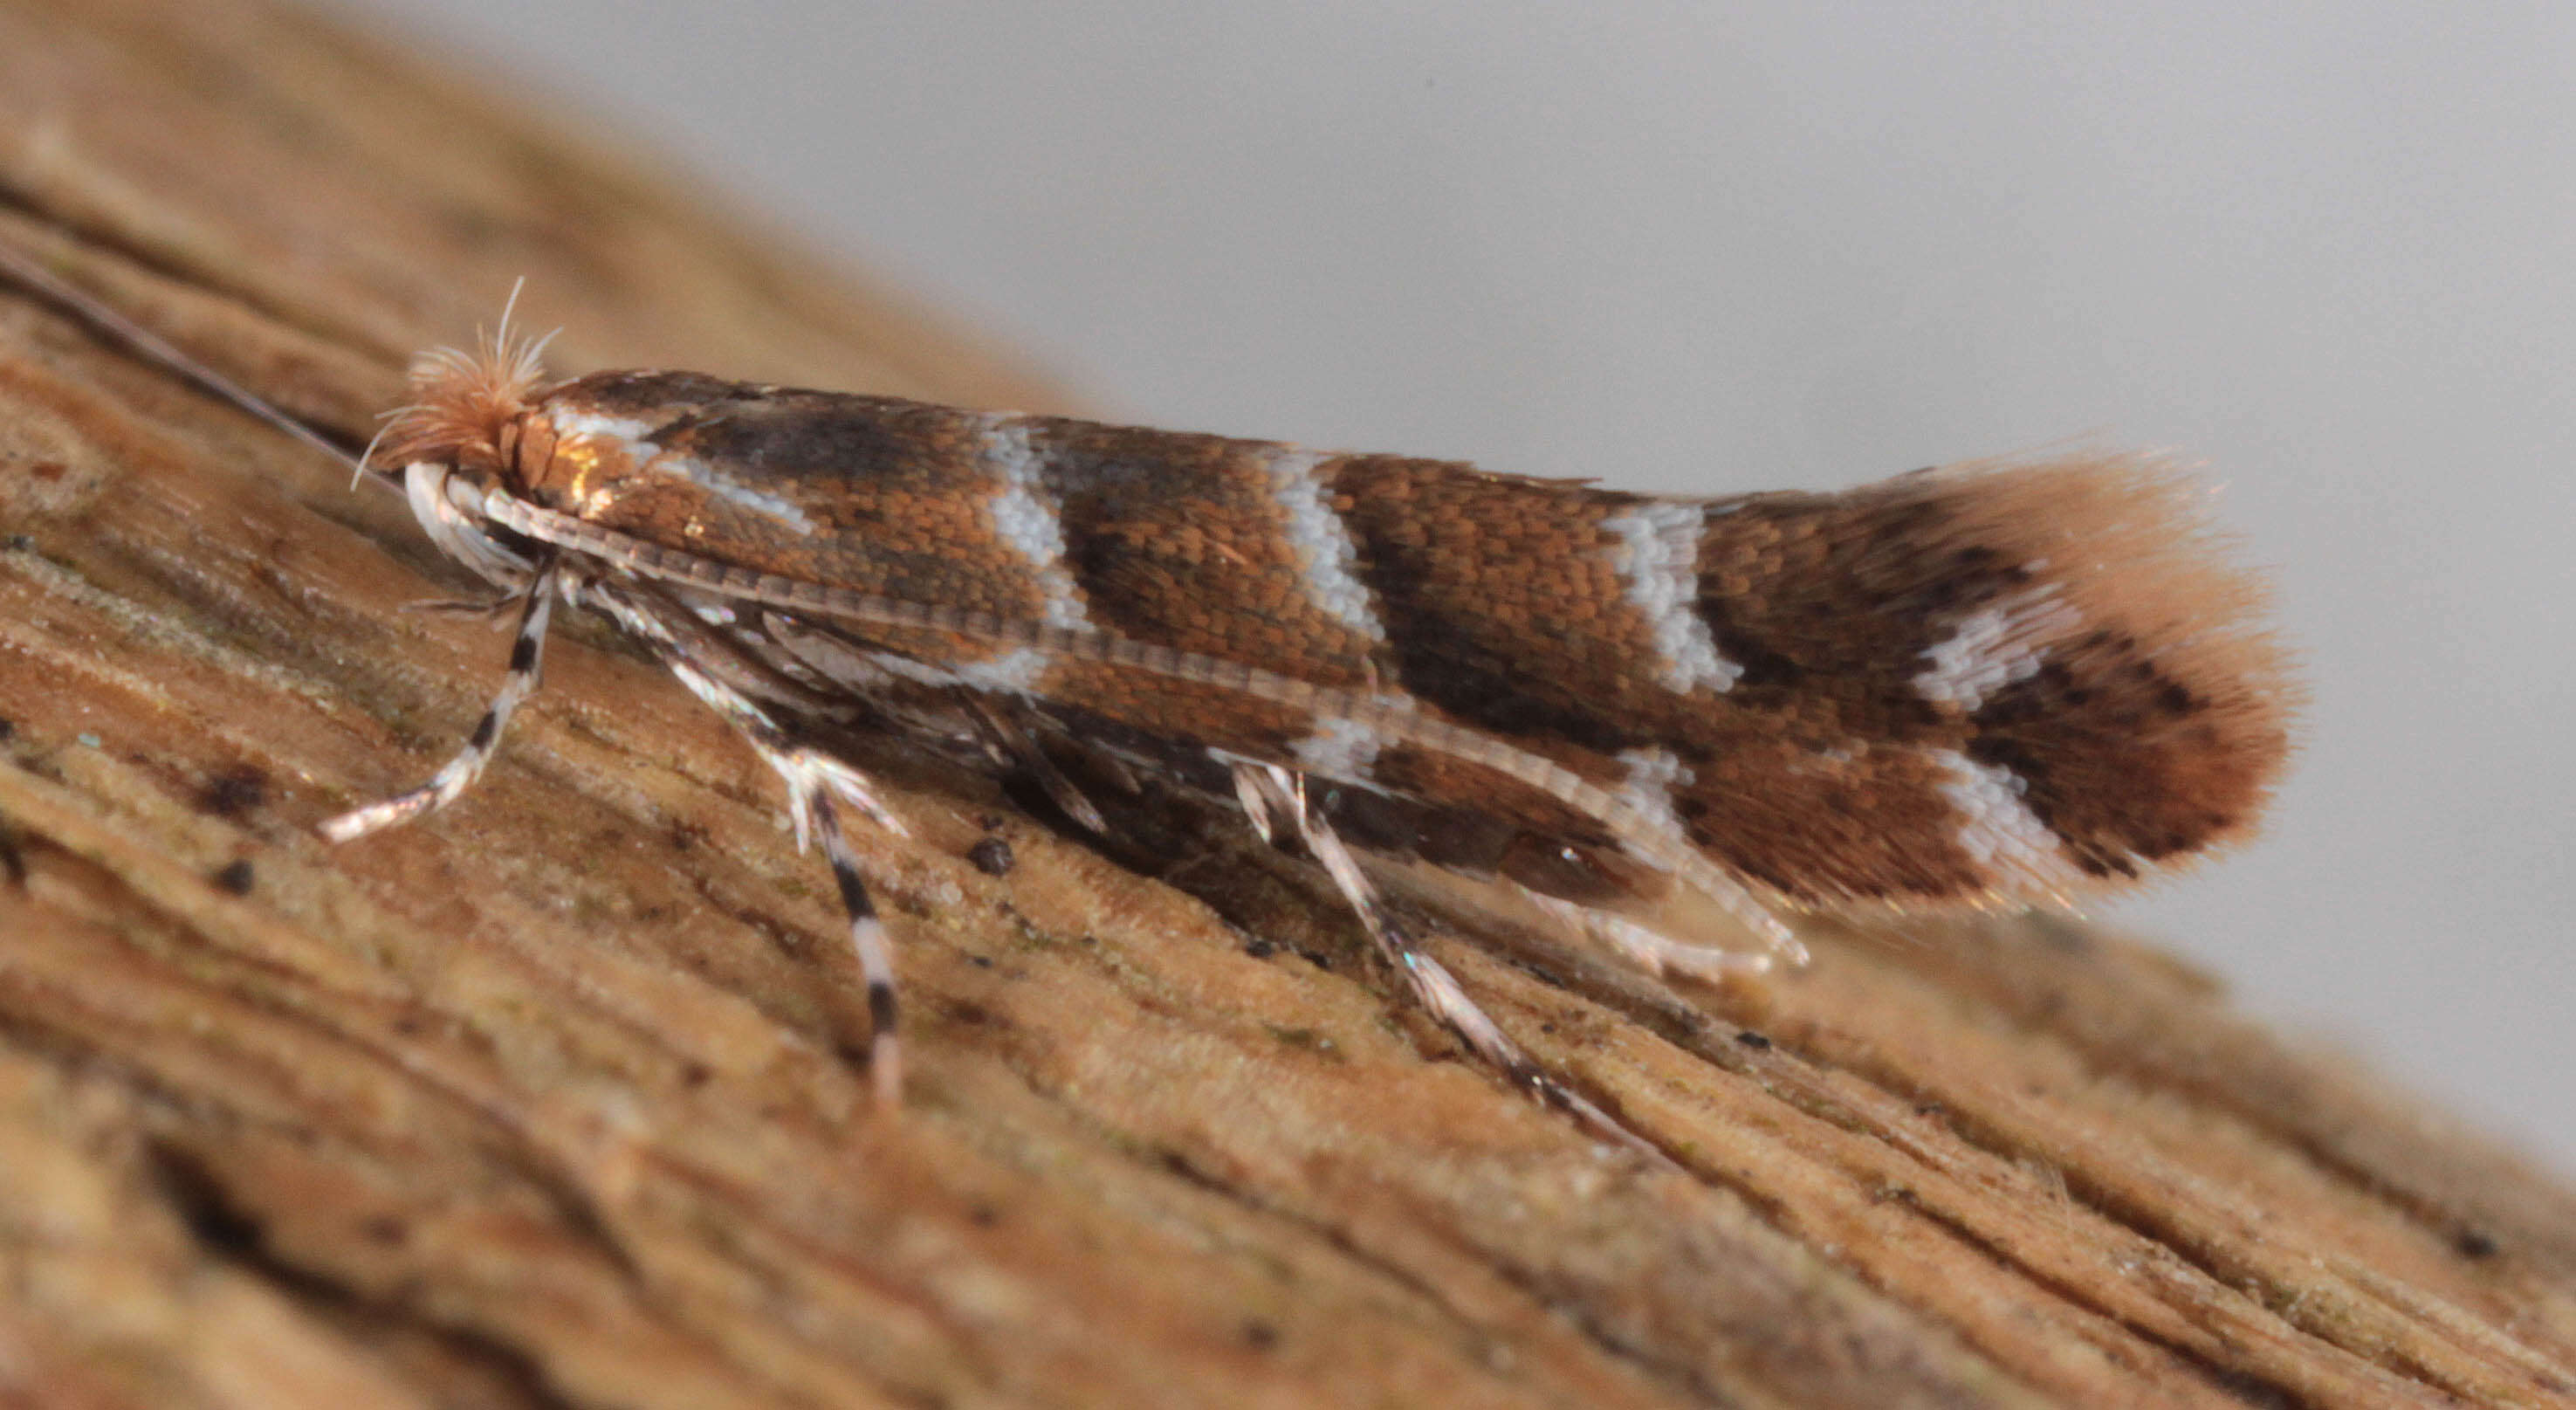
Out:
{"x": 1268, "y": 790}
{"x": 867, "y": 939}
{"x": 817, "y": 784}
{"x": 527, "y": 655}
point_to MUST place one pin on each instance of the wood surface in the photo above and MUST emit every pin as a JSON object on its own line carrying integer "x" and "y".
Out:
{"x": 551, "y": 1101}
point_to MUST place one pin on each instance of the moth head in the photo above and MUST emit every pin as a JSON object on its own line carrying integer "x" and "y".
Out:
{"x": 466, "y": 405}
{"x": 460, "y": 435}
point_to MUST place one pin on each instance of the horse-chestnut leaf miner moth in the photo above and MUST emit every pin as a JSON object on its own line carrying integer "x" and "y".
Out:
{"x": 1988, "y": 685}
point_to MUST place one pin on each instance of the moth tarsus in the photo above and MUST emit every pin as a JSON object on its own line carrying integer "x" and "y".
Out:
{"x": 535, "y": 600}
{"x": 1979, "y": 686}
{"x": 1270, "y": 791}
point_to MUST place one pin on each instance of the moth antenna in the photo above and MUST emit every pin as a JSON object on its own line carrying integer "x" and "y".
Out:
{"x": 96, "y": 312}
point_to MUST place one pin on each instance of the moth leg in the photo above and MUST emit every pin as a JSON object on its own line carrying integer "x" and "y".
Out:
{"x": 867, "y": 936}
{"x": 1270, "y": 792}
{"x": 814, "y": 781}
{"x": 1015, "y": 746}
{"x": 1647, "y": 948}
{"x": 817, "y": 784}
{"x": 484, "y": 609}
{"x": 527, "y": 656}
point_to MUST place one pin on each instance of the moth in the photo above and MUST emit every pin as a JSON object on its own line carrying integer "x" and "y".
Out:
{"x": 1990, "y": 685}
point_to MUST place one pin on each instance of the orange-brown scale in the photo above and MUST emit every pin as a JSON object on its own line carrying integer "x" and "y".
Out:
{"x": 1811, "y": 775}
{"x": 2159, "y": 729}
{"x": 2152, "y": 722}
{"x": 884, "y": 496}
{"x": 948, "y": 651}
{"x": 1428, "y": 773}
{"x": 1503, "y": 604}
{"x": 1212, "y": 716}
{"x": 1129, "y": 697}
{"x": 1179, "y": 539}
{"x": 1816, "y": 828}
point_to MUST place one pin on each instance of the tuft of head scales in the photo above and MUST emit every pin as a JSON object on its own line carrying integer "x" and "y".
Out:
{"x": 465, "y": 403}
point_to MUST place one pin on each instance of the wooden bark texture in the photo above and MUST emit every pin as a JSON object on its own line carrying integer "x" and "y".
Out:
{"x": 550, "y": 1101}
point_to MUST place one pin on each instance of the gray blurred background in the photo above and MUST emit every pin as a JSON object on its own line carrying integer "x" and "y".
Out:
{"x": 2325, "y": 249}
